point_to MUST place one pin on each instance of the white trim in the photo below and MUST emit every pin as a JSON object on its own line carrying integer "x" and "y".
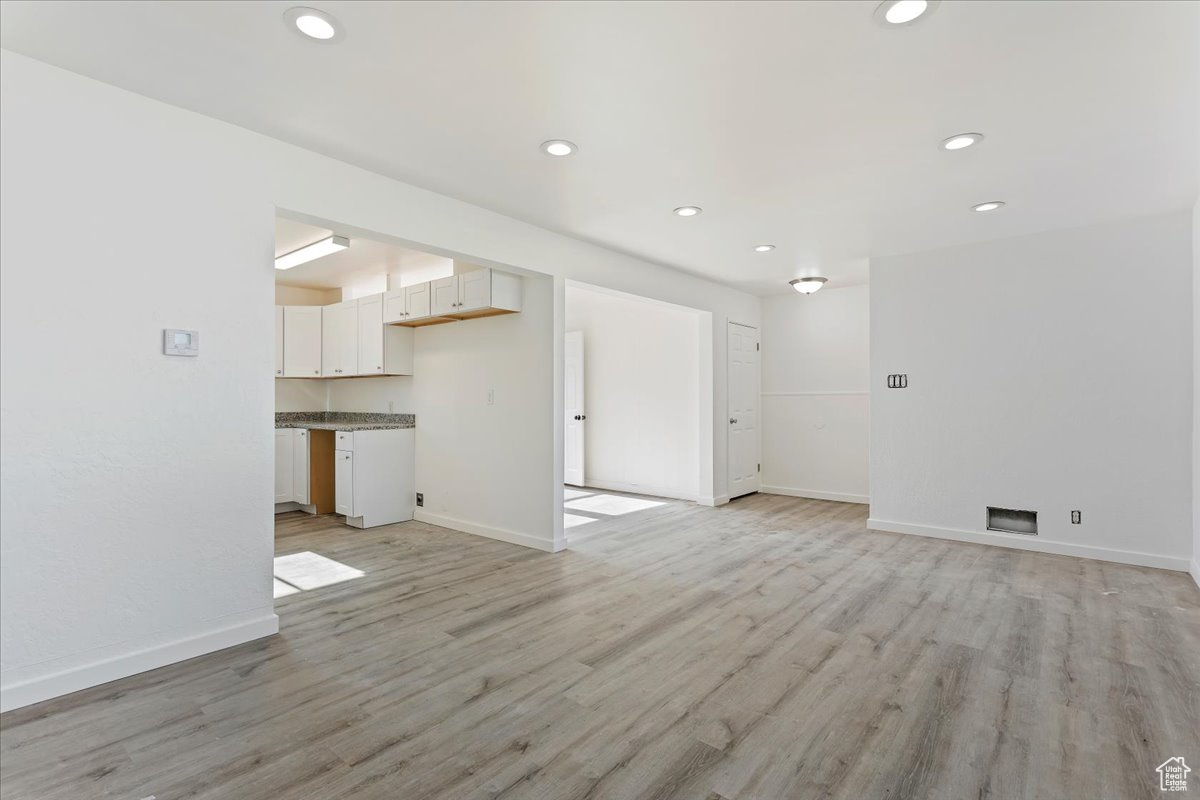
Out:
{"x": 222, "y": 635}
{"x": 1018, "y": 542}
{"x": 638, "y": 488}
{"x": 813, "y": 494}
{"x": 463, "y": 526}
{"x": 1195, "y": 571}
{"x": 713, "y": 502}
{"x": 817, "y": 394}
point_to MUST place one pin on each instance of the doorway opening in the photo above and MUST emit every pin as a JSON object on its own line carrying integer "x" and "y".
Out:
{"x": 631, "y": 405}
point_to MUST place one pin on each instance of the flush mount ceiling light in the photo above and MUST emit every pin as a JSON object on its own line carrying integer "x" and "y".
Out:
{"x": 558, "y": 147}
{"x": 990, "y": 205}
{"x": 688, "y": 211}
{"x": 893, "y": 13}
{"x": 764, "y": 248}
{"x": 313, "y": 24}
{"x": 807, "y": 285}
{"x": 961, "y": 141}
{"x": 330, "y": 244}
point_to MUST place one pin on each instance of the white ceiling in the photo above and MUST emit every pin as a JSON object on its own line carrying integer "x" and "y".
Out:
{"x": 365, "y": 258}
{"x": 804, "y": 125}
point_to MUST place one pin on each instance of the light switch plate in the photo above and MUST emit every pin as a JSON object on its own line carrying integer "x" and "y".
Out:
{"x": 178, "y": 342}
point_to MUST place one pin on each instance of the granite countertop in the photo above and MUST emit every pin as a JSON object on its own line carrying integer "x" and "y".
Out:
{"x": 343, "y": 420}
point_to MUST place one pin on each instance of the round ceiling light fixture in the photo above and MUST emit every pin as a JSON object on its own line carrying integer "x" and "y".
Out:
{"x": 961, "y": 141}
{"x": 314, "y": 24}
{"x": 990, "y": 205}
{"x": 894, "y": 13}
{"x": 764, "y": 248}
{"x": 807, "y": 285}
{"x": 688, "y": 211}
{"x": 558, "y": 147}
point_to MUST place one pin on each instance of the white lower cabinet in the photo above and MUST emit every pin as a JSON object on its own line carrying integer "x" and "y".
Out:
{"x": 375, "y": 476}
{"x": 284, "y": 466}
{"x": 343, "y": 477}
{"x": 291, "y": 466}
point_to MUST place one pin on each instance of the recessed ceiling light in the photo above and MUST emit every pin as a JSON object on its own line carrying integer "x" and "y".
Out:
{"x": 688, "y": 211}
{"x": 990, "y": 205}
{"x": 764, "y": 248}
{"x": 960, "y": 141}
{"x": 903, "y": 12}
{"x": 313, "y": 24}
{"x": 807, "y": 285}
{"x": 330, "y": 244}
{"x": 558, "y": 147}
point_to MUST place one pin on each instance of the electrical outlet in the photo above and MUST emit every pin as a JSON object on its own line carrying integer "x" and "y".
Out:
{"x": 897, "y": 381}
{"x": 420, "y": 499}
{"x": 491, "y": 397}
{"x": 1076, "y": 517}
{"x": 391, "y": 406}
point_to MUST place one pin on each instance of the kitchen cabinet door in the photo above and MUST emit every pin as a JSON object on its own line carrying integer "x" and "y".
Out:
{"x": 278, "y": 341}
{"x": 474, "y": 290}
{"x": 339, "y": 339}
{"x": 416, "y": 300}
{"x": 370, "y": 335}
{"x": 443, "y": 296}
{"x": 284, "y": 467}
{"x": 300, "y": 466}
{"x": 302, "y": 341}
{"x": 343, "y": 479}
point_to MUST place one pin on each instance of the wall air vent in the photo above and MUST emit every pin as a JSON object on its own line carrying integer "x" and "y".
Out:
{"x": 1010, "y": 520}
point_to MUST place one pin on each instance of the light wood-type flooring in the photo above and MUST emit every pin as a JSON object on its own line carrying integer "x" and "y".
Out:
{"x": 772, "y": 648}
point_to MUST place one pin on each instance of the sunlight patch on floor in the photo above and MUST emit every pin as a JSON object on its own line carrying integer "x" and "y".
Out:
{"x": 573, "y": 494}
{"x": 573, "y": 520}
{"x": 308, "y": 570}
{"x": 611, "y": 505}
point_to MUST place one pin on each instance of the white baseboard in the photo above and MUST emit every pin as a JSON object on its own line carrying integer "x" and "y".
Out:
{"x": 463, "y": 526}
{"x": 1019, "y": 542}
{"x": 636, "y": 488}
{"x": 813, "y": 494}
{"x": 283, "y": 508}
{"x": 225, "y": 632}
{"x": 1195, "y": 571}
{"x": 713, "y": 502}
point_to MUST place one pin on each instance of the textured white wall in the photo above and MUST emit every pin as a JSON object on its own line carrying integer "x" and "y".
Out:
{"x": 641, "y": 390}
{"x": 1049, "y": 372}
{"x": 488, "y": 467}
{"x": 135, "y": 510}
{"x": 134, "y": 527}
{"x": 816, "y": 394}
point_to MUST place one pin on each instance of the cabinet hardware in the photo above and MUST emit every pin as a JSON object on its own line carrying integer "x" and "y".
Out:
{"x": 732, "y": 421}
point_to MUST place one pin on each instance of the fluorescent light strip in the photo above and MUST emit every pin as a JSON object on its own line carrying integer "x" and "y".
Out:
{"x": 309, "y": 252}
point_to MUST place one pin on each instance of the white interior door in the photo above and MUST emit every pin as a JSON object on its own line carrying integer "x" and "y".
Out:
{"x": 573, "y": 406}
{"x": 743, "y": 410}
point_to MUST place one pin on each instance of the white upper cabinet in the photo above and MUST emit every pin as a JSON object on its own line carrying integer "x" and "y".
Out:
{"x": 478, "y": 293}
{"x": 474, "y": 290}
{"x": 443, "y": 296}
{"x": 339, "y": 339}
{"x": 301, "y": 341}
{"x": 407, "y": 304}
{"x": 278, "y": 341}
{"x": 382, "y": 349}
{"x": 370, "y": 335}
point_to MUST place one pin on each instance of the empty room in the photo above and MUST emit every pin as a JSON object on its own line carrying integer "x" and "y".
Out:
{"x": 692, "y": 399}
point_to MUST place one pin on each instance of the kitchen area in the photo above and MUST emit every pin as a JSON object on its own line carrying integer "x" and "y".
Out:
{"x": 348, "y": 314}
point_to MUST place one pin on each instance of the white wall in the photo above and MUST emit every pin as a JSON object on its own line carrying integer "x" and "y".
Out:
{"x": 1050, "y": 372}
{"x": 641, "y": 390}
{"x": 487, "y": 468}
{"x": 1195, "y": 565}
{"x": 297, "y": 394}
{"x": 816, "y": 394}
{"x": 134, "y": 527}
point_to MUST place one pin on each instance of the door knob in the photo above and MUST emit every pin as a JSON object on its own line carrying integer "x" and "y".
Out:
{"x": 732, "y": 421}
